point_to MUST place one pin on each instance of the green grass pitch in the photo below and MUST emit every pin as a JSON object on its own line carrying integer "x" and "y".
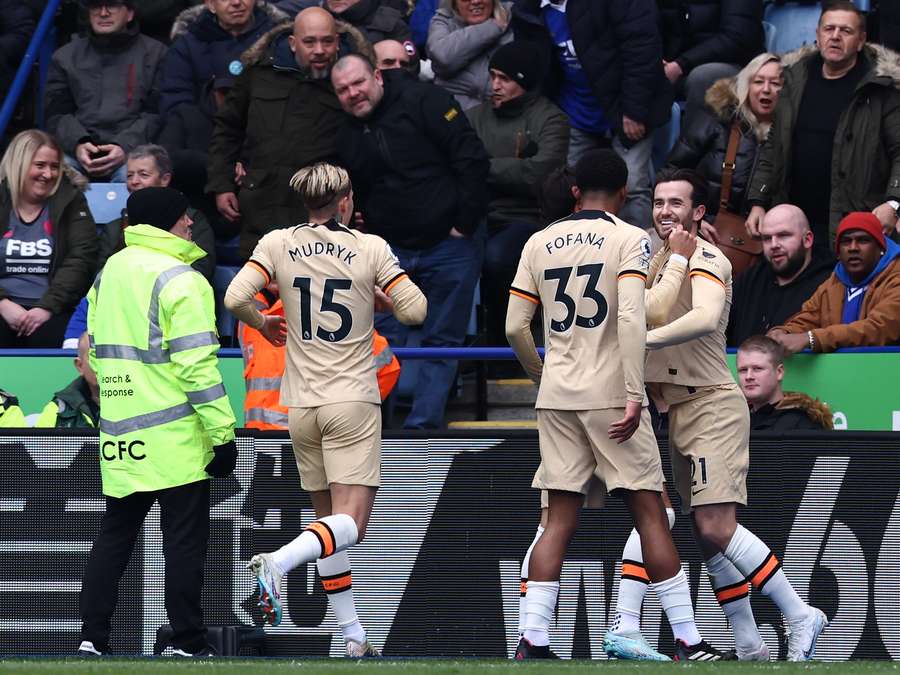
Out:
{"x": 160, "y": 666}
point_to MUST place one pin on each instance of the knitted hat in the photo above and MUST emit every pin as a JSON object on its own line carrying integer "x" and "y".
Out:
{"x": 518, "y": 61}
{"x": 861, "y": 220}
{"x": 157, "y": 206}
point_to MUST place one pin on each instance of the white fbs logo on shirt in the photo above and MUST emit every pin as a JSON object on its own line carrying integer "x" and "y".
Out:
{"x": 28, "y": 257}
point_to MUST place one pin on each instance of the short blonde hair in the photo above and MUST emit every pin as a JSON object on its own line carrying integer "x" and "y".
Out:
{"x": 321, "y": 185}
{"x": 742, "y": 89}
{"x": 17, "y": 159}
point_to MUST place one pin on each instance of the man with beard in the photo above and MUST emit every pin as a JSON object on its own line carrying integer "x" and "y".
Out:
{"x": 858, "y": 305}
{"x": 766, "y": 295}
{"x": 280, "y": 115}
{"x": 709, "y": 429}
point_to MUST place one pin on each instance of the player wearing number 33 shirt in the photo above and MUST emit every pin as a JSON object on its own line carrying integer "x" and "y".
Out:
{"x": 329, "y": 278}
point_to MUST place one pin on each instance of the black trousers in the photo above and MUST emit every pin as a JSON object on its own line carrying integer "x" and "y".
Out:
{"x": 184, "y": 520}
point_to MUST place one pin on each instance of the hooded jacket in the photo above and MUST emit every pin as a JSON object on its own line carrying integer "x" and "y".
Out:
{"x": 620, "y": 49}
{"x": 759, "y": 302}
{"x": 865, "y": 162}
{"x": 71, "y": 408}
{"x": 703, "y": 144}
{"x": 460, "y": 53}
{"x": 418, "y": 168}
{"x": 276, "y": 120}
{"x": 526, "y": 138}
{"x": 695, "y": 32}
{"x": 795, "y": 412}
{"x": 202, "y": 49}
{"x": 105, "y": 89}
{"x": 74, "y": 260}
{"x": 879, "y": 316}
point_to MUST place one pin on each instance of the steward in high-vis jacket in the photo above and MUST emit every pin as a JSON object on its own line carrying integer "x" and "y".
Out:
{"x": 264, "y": 368}
{"x": 11, "y": 415}
{"x": 78, "y": 405}
{"x": 166, "y": 425}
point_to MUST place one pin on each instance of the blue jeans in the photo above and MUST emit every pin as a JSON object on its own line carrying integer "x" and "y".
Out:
{"x": 446, "y": 273}
{"x": 501, "y": 260}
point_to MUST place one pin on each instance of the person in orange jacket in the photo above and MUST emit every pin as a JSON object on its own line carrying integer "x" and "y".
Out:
{"x": 264, "y": 366}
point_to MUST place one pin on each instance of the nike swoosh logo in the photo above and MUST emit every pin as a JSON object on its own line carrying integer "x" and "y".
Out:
{"x": 694, "y": 493}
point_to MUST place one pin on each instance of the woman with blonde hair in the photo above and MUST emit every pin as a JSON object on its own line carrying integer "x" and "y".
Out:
{"x": 48, "y": 242}
{"x": 746, "y": 101}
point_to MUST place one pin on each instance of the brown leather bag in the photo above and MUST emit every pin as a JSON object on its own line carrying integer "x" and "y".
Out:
{"x": 740, "y": 248}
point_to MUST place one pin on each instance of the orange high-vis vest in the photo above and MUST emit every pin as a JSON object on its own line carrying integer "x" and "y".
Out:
{"x": 264, "y": 367}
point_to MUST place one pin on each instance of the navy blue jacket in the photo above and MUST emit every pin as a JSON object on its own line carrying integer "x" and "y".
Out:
{"x": 201, "y": 49}
{"x": 620, "y": 49}
{"x": 695, "y": 32}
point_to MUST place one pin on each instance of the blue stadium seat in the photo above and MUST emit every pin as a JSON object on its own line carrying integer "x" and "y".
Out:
{"x": 106, "y": 201}
{"x": 790, "y": 26}
{"x": 664, "y": 140}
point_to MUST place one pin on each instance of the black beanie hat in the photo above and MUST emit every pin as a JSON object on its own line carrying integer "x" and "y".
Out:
{"x": 157, "y": 206}
{"x": 518, "y": 61}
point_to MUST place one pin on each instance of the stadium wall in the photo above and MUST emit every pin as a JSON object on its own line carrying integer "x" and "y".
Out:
{"x": 438, "y": 574}
{"x": 856, "y": 384}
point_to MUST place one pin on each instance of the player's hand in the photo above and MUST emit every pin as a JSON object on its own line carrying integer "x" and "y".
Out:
{"x": 754, "y": 220}
{"x": 383, "y": 302}
{"x": 682, "y": 242}
{"x": 624, "y": 429}
{"x": 227, "y": 203}
{"x": 275, "y": 330}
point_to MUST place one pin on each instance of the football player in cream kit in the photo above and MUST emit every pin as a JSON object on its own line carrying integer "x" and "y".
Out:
{"x": 330, "y": 279}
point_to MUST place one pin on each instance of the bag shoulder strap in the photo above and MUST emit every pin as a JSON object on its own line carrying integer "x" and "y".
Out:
{"x": 734, "y": 139}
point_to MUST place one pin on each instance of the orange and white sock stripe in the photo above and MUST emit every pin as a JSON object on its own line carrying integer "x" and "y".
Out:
{"x": 766, "y": 571}
{"x": 337, "y": 583}
{"x": 325, "y": 536}
{"x": 635, "y": 571}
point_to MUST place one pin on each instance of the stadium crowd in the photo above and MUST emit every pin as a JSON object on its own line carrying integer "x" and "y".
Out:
{"x": 456, "y": 143}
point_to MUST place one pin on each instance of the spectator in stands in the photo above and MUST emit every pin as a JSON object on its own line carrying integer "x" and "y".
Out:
{"x": 78, "y": 405}
{"x": 858, "y": 305}
{"x": 835, "y": 143}
{"x": 207, "y": 42}
{"x": 461, "y": 39}
{"x": 157, "y": 16}
{"x": 280, "y": 115}
{"x": 102, "y": 91}
{"x": 606, "y": 74}
{"x": 151, "y": 166}
{"x": 392, "y": 54}
{"x": 769, "y": 293}
{"x": 16, "y": 27}
{"x": 748, "y": 101}
{"x": 526, "y": 136}
{"x": 429, "y": 203}
{"x": 11, "y": 415}
{"x": 48, "y": 242}
{"x": 375, "y": 19}
{"x": 705, "y": 40}
{"x": 760, "y": 368}
{"x": 186, "y": 134}
{"x": 555, "y": 197}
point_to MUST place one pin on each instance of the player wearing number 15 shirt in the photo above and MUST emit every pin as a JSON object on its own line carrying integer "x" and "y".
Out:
{"x": 330, "y": 278}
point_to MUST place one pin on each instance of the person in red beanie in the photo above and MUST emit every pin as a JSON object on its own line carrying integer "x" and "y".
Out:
{"x": 859, "y": 304}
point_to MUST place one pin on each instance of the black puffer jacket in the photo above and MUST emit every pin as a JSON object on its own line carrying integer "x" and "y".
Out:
{"x": 695, "y": 32}
{"x": 702, "y": 146}
{"x": 619, "y": 47}
{"x": 417, "y": 166}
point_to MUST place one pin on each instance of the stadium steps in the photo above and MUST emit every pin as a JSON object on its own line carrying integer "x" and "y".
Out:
{"x": 510, "y": 405}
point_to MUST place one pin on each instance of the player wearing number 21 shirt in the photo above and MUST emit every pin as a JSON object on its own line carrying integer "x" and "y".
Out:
{"x": 329, "y": 278}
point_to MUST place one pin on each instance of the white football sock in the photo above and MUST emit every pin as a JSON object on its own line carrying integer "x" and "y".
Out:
{"x": 757, "y": 562}
{"x": 523, "y": 598}
{"x": 633, "y": 583}
{"x": 320, "y": 539}
{"x": 337, "y": 581}
{"x": 675, "y": 598}
{"x": 733, "y": 594}
{"x": 541, "y": 607}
